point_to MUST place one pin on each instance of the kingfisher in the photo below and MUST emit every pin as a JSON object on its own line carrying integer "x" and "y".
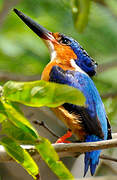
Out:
{"x": 71, "y": 65}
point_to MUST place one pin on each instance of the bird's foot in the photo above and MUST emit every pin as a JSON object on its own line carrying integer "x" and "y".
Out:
{"x": 64, "y": 137}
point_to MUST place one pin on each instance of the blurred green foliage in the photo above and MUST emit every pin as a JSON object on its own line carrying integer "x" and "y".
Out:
{"x": 22, "y": 52}
{"x": 80, "y": 11}
{"x": 93, "y": 23}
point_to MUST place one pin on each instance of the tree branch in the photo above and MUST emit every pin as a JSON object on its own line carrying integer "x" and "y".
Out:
{"x": 109, "y": 95}
{"x": 108, "y": 158}
{"x": 85, "y": 147}
{"x": 43, "y": 124}
{"x": 67, "y": 150}
{"x": 102, "y": 2}
{"x": 106, "y": 66}
{"x": 7, "y": 5}
{"x": 112, "y": 177}
{"x": 5, "y": 76}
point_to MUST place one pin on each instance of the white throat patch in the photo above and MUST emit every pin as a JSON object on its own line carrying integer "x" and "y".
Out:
{"x": 52, "y": 51}
{"x": 77, "y": 68}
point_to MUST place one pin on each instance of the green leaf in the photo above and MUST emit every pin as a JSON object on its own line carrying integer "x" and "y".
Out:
{"x": 2, "y": 117}
{"x": 80, "y": 11}
{"x": 20, "y": 121}
{"x": 20, "y": 155}
{"x": 2, "y": 110}
{"x": 50, "y": 156}
{"x": 21, "y": 136}
{"x": 19, "y": 132}
{"x": 42, "y": 93}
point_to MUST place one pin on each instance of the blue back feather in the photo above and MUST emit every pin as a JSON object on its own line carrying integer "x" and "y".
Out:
{"x": 95, "y": 108}
{"x": 91, "y": 158}
{"x": 94, "y": 105}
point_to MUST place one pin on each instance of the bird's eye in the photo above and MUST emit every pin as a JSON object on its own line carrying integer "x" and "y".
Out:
{"x": 65, "y": 41}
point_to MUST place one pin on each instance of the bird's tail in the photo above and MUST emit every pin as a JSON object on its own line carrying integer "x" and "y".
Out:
{"x": 91, "y": 158}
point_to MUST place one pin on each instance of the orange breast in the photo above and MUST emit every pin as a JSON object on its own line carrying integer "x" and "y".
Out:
{"x": 47, "y": 69}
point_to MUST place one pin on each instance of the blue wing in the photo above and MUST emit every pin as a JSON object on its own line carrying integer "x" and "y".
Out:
{"x": 94, "y": 111}
{"x": 93, "y": 116}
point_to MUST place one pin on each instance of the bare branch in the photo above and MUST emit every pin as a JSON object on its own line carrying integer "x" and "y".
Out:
{"x": 101, "y": 178}
{"x": 5, "y": 76}
{"x": 108, "y": 158}
{"x": 66, "y": 150}
{"x": 43, "y": 124}
{"x": 111, "y": 95}
{"x": 7, "y": 5}
{"x": 106, "y": 5}
{"x": 85, "y": 147}
{"x": 102, "y": 2}
{"x": 107, "y": 66}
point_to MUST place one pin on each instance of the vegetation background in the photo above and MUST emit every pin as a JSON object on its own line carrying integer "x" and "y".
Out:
{"x": 23, "y": 57}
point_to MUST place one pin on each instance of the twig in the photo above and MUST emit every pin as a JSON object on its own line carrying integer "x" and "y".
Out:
{"x": 107, "y": 66}
{"x": 102, "y": 2}
{"x": 108, "y": 158}
{"x": 112, "y": 177}
{"x": 5, "y": 76}
{"x": 111, "y": 95}
{"x": 41, "y": 123}
{"x": 7, "y": 5}
{"x": 105, "y": 4}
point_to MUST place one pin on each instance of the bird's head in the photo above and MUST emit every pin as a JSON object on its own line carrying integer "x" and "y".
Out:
{"x": 65, "y": 50}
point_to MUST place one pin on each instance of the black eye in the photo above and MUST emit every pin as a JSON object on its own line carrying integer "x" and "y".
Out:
{"x": 65, "y": 41}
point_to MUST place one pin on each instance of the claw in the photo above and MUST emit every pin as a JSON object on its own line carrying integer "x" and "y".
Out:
{"x": 64, "y": 137}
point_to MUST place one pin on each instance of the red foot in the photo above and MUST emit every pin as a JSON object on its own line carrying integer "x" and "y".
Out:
{"x": 64, "y": 137}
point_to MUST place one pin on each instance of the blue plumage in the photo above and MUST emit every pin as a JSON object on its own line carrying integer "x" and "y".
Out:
{"x": 94, "y": 108}
{"x": 84, "y": 61}
{"x": 91, "y": 158}
{"x": 85, "y": 84}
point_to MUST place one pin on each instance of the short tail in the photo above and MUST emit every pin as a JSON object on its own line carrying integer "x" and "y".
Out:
{"x": 91, "y": 158}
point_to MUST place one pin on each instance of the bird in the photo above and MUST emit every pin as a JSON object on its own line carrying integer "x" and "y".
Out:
{"x": 70, "y": 64}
